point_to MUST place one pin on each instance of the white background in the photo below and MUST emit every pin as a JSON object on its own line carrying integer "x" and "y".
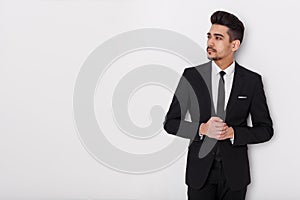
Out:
{"x": 43, "y": 44}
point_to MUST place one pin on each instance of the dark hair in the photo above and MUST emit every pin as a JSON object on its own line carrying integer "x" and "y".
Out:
{"x": 236, "y": 27}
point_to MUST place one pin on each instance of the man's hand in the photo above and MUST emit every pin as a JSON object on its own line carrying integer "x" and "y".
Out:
{"x": 228, "y": 134}
{"x": 216, "y": 128}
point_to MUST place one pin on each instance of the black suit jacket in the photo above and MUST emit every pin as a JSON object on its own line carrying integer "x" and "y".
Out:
{"x": 247, "y": 96}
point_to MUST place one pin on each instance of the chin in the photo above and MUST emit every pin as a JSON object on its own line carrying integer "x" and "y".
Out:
{"x": 212, "y": 58}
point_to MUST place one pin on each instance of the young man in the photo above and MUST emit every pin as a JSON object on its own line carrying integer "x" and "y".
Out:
{"x": 219, "y": 95}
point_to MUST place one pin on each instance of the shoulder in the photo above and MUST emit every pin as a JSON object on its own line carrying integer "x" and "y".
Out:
{"x": 205, "y": 67}
{"x": 249, "y": 74}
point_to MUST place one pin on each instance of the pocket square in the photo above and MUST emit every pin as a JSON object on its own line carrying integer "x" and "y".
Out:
{"x": 242, "y": 97}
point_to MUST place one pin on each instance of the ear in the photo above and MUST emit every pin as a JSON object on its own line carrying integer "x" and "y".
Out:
{"x": 235, "y": 45}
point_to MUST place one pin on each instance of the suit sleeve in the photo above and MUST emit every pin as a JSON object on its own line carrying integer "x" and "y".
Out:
{"x": 174, "y": 120}
{"x": 262, "y": 129}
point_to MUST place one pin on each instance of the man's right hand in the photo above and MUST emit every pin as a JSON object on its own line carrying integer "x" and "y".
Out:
{"x": 213, "y": 128}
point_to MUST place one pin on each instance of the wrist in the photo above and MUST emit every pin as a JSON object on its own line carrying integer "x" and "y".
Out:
{"x": 203, "y": 129}
{"x": 231, "y": 131}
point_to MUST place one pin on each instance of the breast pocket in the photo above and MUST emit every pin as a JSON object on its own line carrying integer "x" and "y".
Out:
{"x": 242, "y": 105}
{"x": 242, "y": 97}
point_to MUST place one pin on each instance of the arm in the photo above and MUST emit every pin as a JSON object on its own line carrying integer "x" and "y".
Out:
{"x": 262, "y": 129}
{"x": 174, "y": 121}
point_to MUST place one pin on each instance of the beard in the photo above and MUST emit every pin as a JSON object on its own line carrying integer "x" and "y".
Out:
{"x": 215, "y": 58}
{"x": 212, "y": 57}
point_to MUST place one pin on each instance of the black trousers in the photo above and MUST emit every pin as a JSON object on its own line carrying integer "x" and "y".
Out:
{"x": 215, "y": 187}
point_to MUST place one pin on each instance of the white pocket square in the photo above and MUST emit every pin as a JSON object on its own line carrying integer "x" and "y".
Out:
{"x": 242, "y": 97}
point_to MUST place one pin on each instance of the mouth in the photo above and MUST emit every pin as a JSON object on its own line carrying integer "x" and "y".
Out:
{"x": 209, "y": 50}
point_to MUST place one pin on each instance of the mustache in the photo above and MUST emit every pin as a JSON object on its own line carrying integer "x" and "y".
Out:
{"x": 211, "y": 49}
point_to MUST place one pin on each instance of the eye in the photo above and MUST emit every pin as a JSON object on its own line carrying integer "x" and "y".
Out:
{"x": 208, "y": 36}
{"x": 218, "y": 38}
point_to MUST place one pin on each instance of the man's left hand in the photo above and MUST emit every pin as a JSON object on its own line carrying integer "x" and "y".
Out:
{"x": 227, "y": 135}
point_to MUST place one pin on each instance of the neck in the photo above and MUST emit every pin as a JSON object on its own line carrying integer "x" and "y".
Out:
{"x": 224, "y": 63}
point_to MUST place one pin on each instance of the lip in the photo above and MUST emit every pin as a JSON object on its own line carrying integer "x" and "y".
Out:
{"x": 210, "y": 50}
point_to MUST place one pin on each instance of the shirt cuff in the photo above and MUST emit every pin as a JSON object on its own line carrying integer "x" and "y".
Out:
{"x": 201, "y": 136}
{"x": 232, "y": 139}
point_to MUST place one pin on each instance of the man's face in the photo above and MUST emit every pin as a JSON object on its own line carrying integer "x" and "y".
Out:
{"x": 218, "y": 43}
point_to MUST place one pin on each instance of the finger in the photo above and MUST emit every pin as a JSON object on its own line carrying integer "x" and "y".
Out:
{"x": 224, "y": 131}
{"x": 219, "y": 132}
{"x": 222, "y": 137}
{"x": 225, "y": 125}
{"x": 216, "y": 119}
{"x": 225, "y": 128}
{"x": 216, "y": 133}
{"x": 218, "y": 129}
{"x": 222, "y": 125}
{"x": 219, "y": 124}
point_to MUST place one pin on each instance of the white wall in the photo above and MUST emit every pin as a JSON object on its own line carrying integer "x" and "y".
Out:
{"x": 43, "y": 45}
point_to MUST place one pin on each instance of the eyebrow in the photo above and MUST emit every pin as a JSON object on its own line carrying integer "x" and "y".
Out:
{"x": 216, "y": 34}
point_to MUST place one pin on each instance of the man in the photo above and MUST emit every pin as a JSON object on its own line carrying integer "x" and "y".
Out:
{"x": 219, "y": 95}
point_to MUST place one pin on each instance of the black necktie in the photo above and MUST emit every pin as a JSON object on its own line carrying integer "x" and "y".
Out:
{"x": 221, "y": 97}
{"x": 220, "y": 107}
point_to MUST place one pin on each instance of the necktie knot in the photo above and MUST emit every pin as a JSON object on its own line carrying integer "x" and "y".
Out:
{"x": 222, "y": 73}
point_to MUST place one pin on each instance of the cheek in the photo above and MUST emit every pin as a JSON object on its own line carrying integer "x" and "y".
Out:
{"x": 223, "y": 49}
{"x": 219, "y": 48}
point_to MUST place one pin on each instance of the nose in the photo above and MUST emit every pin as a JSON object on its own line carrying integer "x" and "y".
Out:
{"x": 210, "y": 42}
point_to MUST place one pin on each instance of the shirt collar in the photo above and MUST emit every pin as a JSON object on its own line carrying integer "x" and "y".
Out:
{"x": 216, "y": 69}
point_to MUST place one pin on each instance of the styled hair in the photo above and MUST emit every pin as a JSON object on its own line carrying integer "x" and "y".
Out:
{"x": 236, "y": 27}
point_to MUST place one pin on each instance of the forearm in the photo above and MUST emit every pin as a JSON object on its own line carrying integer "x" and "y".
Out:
{"x": 252, "y": 135}
{"x": 182, "y": 128}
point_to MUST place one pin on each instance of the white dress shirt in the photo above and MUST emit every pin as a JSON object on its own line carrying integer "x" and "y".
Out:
{"x": 228, "y": 80}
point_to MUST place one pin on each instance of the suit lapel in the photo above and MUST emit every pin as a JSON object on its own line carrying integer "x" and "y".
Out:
{"x": 205, "y": 72}
{"x": 238, "y": 82}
